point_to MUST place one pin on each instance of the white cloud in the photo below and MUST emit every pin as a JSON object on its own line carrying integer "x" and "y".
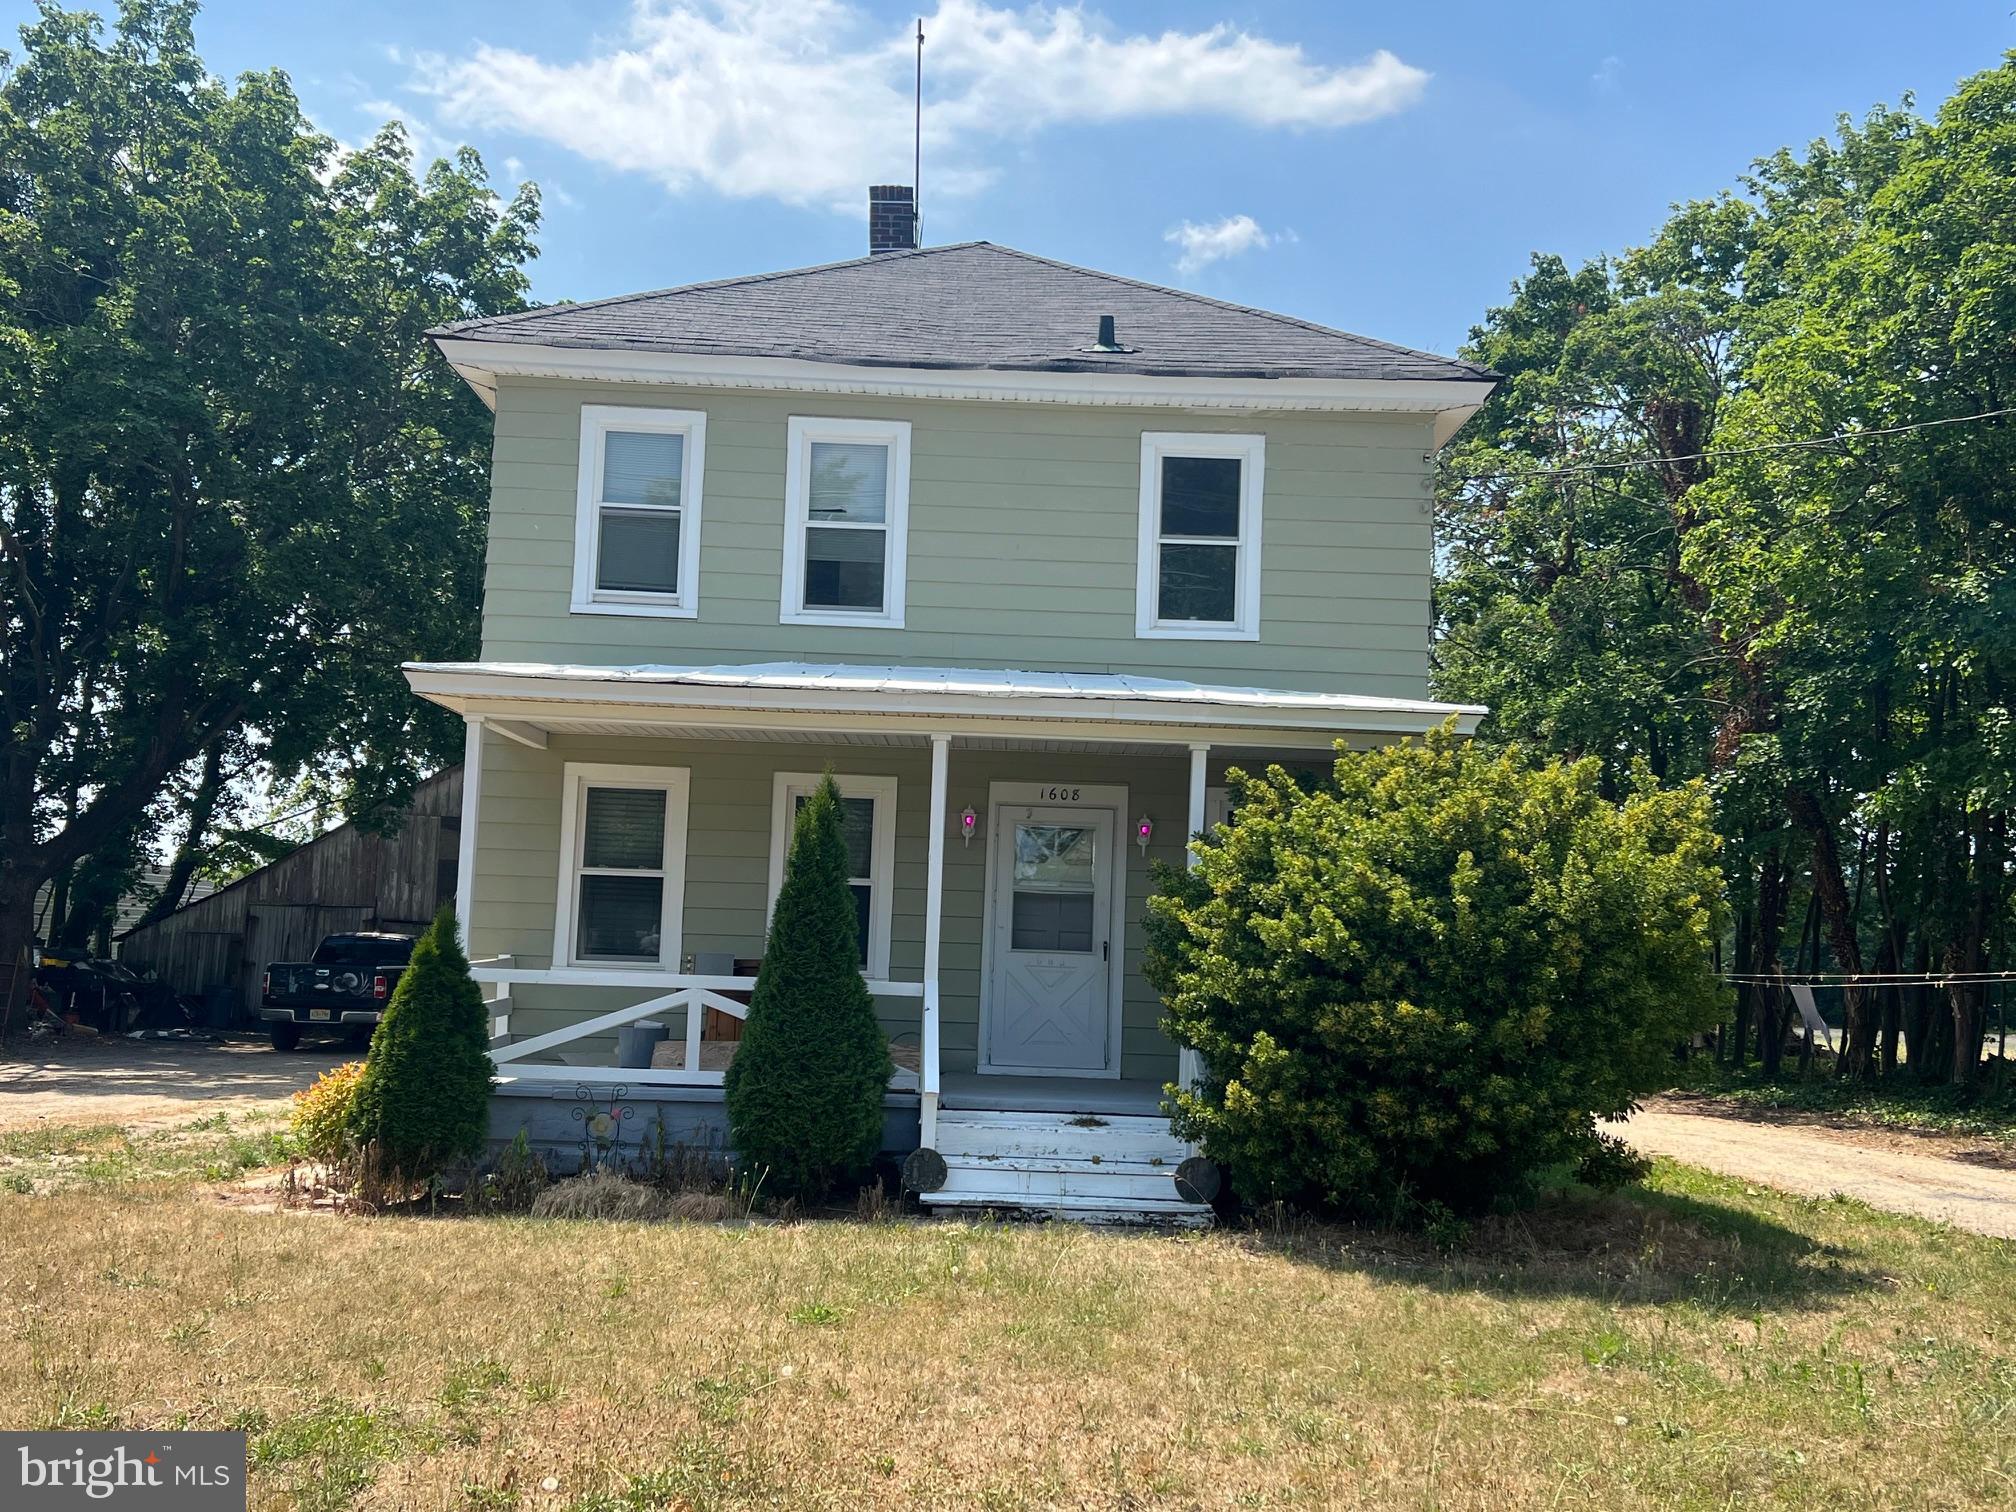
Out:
{"x": 1202, "y": 245}
{"x": 1609, "y": 75}
{"x": 805, "y": 101}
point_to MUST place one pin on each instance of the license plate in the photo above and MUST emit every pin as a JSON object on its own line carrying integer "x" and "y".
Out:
{"x": 321, "y": 1013}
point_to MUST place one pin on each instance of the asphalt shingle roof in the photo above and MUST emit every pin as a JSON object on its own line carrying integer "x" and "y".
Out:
{"x": 970, "y": 305}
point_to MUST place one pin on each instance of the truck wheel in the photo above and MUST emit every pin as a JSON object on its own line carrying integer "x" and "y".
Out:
{"x": 286, "y": 1037}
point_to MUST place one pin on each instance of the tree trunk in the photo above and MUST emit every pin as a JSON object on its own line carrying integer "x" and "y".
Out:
{"x": 1858, "y": 1058}
{"x": 202, "y": 809}
{"x": 1771, "y": 897}
{"x": 17, "y": 939}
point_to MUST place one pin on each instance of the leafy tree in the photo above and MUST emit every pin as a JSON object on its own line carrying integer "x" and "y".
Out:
{"x": 236, "y": 489}
{"x": 1423, "y": 982}
{"x": 805, "y": 1088}
{"x": 423, "y": 1101}
{"x": 1674, "y": 534}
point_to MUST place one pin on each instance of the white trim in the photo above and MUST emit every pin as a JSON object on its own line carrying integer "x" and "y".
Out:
{"x": 1217, "y": 806}
{"x": 524, "y": 734}
{"x": 801, "y": 432}
{"x": 1115, "y": 708}
{"x": 881, "y": 863}
{"x": 676, "y": 784}
{"x": 1451, "y": 401}
{"x": 1189, "y": 1063}
{"x": 465, "y": 839}
{"x": 1250, "y": 451}
{"x": 937, "y": 818}
{"x": 1110, "y": 797}
{"x": 597, "y": 420}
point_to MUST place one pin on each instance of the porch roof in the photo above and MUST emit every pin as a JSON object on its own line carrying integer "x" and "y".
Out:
{"x": 550, "y": 695}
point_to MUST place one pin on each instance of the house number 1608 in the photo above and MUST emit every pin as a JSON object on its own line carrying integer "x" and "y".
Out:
{"x": 1057, "y": 795}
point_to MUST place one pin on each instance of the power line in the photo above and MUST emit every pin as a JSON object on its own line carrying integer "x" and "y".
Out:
{"x": 1872, "y": 979}
{"x": 1809, "y": 444}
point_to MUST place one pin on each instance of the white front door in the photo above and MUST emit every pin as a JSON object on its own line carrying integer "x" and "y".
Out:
{"x": 1050, "y": 995}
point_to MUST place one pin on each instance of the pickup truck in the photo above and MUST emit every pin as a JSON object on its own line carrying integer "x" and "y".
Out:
{"x": 344, "y": 988}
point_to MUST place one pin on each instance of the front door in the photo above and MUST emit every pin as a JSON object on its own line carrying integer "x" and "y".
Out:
{"x": 1050, "y": 984}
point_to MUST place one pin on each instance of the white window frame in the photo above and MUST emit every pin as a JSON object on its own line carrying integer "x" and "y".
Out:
{"x": 1251, "y": 453}
{"x": 676, "y": 784}
{"x": 803, "y": 430}
{"x": 597, "y": 420}
{"x": 786, "y": 788}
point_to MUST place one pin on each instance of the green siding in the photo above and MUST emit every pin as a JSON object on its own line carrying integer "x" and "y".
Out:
{"x": 728, "y": 858}
{"x": 1022, "y": 542}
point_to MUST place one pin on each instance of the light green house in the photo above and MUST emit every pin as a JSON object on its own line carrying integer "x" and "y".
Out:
{"x": 1028, "y": 555}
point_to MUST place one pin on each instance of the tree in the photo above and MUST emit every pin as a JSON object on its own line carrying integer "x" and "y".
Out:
{"x": 1676, "y": 533}
{"x": 236, "y": 489}
{"x": 805, "y": 1089}
{"x": 423, "y": 1102}
{"x": 1424, "y": 981}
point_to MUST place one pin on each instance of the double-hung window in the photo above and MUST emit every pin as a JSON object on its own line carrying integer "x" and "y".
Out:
{"x": 622, "y": 866}
{"x": 637, "y": 520}
{"x": 868, "y": 820}
{"x": 1199, "y": 576}
{"x": 846, "y": 509}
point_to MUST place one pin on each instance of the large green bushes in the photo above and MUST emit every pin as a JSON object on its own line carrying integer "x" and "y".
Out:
{"x": 1424, "y": 981}
{"x": 805, "y": 1088}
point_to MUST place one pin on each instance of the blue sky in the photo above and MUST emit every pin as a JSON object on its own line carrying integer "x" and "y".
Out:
{"x": 1386, "y": 169}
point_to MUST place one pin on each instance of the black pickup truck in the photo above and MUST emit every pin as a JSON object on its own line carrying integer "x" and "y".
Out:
{"x": 344, "y": 989}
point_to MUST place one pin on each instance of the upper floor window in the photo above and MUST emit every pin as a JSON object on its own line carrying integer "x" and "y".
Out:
{"x": 637, "y": 525}
{"x": 846, "y": 508}
{"x": 1199, "y": 575}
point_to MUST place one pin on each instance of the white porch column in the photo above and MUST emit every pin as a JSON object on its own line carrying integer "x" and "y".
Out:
{"x": 1190, "y": 1068}
{"x": 934, "y": 918}
{"x": 465, "y": 850}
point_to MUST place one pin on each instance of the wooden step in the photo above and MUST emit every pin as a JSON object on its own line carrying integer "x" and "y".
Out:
{"x": 1086, "y": 1209}
{"x": 1053, "y": 1182}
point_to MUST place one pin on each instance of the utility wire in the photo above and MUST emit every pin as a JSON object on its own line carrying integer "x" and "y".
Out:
{"x": 1874, "y": 979}
{"x": 1809, "y": 444}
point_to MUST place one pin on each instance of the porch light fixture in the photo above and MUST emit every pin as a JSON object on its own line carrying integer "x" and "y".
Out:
{"x": 1144, "y": 831}
{"x": 968, "y": 823}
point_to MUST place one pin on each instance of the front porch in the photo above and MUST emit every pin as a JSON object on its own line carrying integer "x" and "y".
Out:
{"x": 622, "y": 840}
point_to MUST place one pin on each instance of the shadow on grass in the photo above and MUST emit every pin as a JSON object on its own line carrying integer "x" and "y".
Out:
{"x": 1633, "y": 1246}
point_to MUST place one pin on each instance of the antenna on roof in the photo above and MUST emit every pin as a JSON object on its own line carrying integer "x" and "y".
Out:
{"x": 917, "y": 143}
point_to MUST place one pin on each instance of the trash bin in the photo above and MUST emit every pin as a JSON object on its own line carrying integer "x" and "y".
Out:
{"x": 635, "y": 1042}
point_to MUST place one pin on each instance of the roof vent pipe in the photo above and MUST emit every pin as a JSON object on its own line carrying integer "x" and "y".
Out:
{"x": 1109, "y": 339}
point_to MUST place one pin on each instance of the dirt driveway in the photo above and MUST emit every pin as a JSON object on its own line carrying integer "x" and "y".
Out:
{"x": 136, "y": 1083}
{"x": 1964, "y": 1183}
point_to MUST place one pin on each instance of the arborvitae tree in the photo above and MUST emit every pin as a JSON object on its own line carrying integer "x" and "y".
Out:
{"x": 805, "y": 1088}
{"x": 424, "y": 1101}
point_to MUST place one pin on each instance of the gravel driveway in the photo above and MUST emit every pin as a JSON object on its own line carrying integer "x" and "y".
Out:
{"x": 138, "y": 1083}
{"x": 1819, "y": 1162}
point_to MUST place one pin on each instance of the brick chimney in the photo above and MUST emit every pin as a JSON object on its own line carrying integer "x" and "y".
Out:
{"x": 892, "y": 218}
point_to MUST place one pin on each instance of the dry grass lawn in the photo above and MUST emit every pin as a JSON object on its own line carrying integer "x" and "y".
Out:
{"x": 1701, "y": 1344}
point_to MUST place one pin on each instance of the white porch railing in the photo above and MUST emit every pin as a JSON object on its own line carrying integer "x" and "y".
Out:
{"x": 670, "y": 992}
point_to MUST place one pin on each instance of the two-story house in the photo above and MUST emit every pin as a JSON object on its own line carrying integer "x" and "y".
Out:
{"x": 1027, "y": 554}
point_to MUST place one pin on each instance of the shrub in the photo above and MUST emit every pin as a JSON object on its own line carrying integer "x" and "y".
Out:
{"x": 1424, "y": 981}
{"x": 423, "y": 1102}
{"x": 805, "y": 1089}
{"x": 602, "y": 1193}
{"x": 320, "y": 1122}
